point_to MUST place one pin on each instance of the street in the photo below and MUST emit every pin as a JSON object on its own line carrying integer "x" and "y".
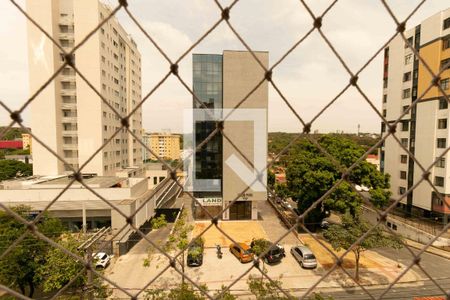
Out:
{"x": 437, "y": 267}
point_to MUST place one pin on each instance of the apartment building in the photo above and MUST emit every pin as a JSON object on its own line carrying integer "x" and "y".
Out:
{"x": 424, "y": 130}
{"x": 165, "y": 145}
{"x": 68, "y": 116}
{"x": 27, "y": 142}
{"x": 221, "y": 82}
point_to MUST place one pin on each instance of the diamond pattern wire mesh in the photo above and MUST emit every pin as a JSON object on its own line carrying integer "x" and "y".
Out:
{"x": 224, "y": 14}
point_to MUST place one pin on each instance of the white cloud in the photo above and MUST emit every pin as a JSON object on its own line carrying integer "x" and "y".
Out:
{"x": 309, "y": 77}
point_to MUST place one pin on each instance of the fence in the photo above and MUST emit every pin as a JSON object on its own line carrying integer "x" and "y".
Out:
{"x": 224, "y": 14}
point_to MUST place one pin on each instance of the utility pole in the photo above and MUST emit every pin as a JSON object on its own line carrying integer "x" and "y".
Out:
{"x": 87, "y": 247}
{"x": 359, "y": 126}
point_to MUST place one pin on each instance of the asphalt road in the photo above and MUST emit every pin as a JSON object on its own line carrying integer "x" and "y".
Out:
{"x": 437, "y": 267}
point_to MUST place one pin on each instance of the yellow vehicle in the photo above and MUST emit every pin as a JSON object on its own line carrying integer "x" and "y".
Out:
{"x": 242, "y": 252}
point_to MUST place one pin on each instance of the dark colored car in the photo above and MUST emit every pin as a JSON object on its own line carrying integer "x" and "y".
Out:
{"x": 195, "y": 254}
{"x": 275, "y": 255}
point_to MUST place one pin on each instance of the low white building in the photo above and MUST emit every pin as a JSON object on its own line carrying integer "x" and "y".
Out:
{"x": 78, "y": 207}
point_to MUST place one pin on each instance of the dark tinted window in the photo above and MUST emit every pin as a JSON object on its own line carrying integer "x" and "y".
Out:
{"x": 309, "y": 256}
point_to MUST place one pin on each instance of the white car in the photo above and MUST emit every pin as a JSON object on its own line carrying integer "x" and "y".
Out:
{"x": 286, "y": 205}
{"x": 101, "y": 260}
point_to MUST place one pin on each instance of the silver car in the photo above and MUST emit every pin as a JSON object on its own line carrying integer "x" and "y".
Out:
{"x": 304, "y": 256}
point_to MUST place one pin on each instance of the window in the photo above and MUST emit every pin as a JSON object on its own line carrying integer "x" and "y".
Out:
{"x": 442, "y": 123}
{"x": 402, "y": 174}
{"x": 384, "y": 113}
{"x": 384, "y": 98}
{"x": 445, "y": 83}
{"x": 383, "y": 127}
{"x": 440, "y": 163}
{"x": 394, "y": 227}
{"x": 443, "y": 104}
{"x": 403, "y": 159}
{"x": 408, "y": 59}
{"x": 445, "y": 64}
{"x": 446, "y": 43}
{"x": 441, "y": 143}
{"x": 407, "y": 77}
{"x": 410, "y": 42}
{"x": 438, "y": 181}
{"x": 155, "y": 180}
{"x": 385, "y": 83}
{"x": 404, "y": 142}
{"x": 446, "y": 24}
{"x": 405, "y": 125}
{"x": 401, "y": 190}
{"x": 405, "y": 108}
{"x": 406, "y": 93}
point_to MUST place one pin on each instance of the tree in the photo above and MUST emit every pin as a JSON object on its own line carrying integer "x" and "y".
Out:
{"x": 265, "y": 290}
{"x": 179, "y": 239}
{"x": 12, "y": 168}
{"x": 345, "y": 235}
{"x": 60, "y": 268}
{"x": 156, "y": 223}
{"x": 310, "y": 174}
{"x": 260, "y": 246}
{"x": 19, "y": 267}
{"x": 183, "y": 291}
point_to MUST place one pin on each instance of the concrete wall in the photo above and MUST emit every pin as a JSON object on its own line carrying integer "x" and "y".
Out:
{"x": 406, "y": 230}
{"x": 241, "y": 73}
{"x": 43, "y": 59}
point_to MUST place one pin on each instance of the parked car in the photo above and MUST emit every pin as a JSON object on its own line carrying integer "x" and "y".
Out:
{"x": 274, "y": 255}
{"x": 286, "y": 205}
{"x": 242, "y": 252}
{"x": 304, "y": 256}
{"x": 101, "y": 260}
{"x": 195, "y": 253}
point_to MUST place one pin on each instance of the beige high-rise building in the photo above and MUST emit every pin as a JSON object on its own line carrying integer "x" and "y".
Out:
{"x": 68, "y": 116}
{"x": 424, "y": 129}
{"x": 165, "y": 145}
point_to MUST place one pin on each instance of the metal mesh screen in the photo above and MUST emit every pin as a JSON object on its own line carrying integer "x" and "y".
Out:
{"x": 224, "y": 17}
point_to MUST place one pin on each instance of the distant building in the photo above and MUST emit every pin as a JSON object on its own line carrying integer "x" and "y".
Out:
{"x": 222, "y": 81}
{"x": 374, "y": 160}
{"x": 424, "y": 130}
{"x": 11, "y": 144}
{"x": 165, "y": 145}
{"x": 26, "y": 142}
{"x": 68, "y": 115}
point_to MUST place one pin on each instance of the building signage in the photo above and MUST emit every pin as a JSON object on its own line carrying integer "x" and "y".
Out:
{"x": 211, "y": 201}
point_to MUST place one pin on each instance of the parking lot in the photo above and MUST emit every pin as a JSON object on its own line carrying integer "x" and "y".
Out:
{"x": 129, "y": 272}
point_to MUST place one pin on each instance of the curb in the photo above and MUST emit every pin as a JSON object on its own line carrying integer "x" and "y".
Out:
{"x": 419, "y": 246}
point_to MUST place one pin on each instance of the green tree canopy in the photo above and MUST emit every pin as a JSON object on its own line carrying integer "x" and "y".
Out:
{"x": 19, "y": 267}
{"x": 310, "y": 174}
{"x": 12, "y": 168}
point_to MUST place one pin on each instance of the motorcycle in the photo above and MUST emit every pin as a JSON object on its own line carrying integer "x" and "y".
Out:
{"x": 219, "y": 251}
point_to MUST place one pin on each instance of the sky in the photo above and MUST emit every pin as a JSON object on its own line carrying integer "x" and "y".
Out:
{"x": 310, "y": 77}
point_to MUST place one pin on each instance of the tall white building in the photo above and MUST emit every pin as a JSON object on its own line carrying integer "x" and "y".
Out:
{"x": 68, "y": 116}
{"x": 424, "y": 131}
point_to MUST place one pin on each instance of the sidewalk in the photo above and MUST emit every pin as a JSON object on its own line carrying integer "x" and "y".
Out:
{"x": 430, "y": 249}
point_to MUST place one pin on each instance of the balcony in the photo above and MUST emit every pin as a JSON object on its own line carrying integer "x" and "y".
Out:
{"x": 70, "y": 146}
{"x": 71, "y": 160}
{"x": 67, "y": 78}
{"x": 69, "y": 119}
{"x": 69, "y": 133}
{"x": 71, "y": 106}
{"x": 68, "y": 92}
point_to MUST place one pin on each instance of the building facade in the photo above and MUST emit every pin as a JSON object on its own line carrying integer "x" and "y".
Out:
{"x": 165, "y": 145}
{"x": 27, "y": 142}
{"x": 221, "y": 82}
{"x": 424, "y": 130}
{"x": 77, "y": 122}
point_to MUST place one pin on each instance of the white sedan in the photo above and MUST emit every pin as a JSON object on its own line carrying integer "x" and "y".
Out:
{"x": 101, "y": 260}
